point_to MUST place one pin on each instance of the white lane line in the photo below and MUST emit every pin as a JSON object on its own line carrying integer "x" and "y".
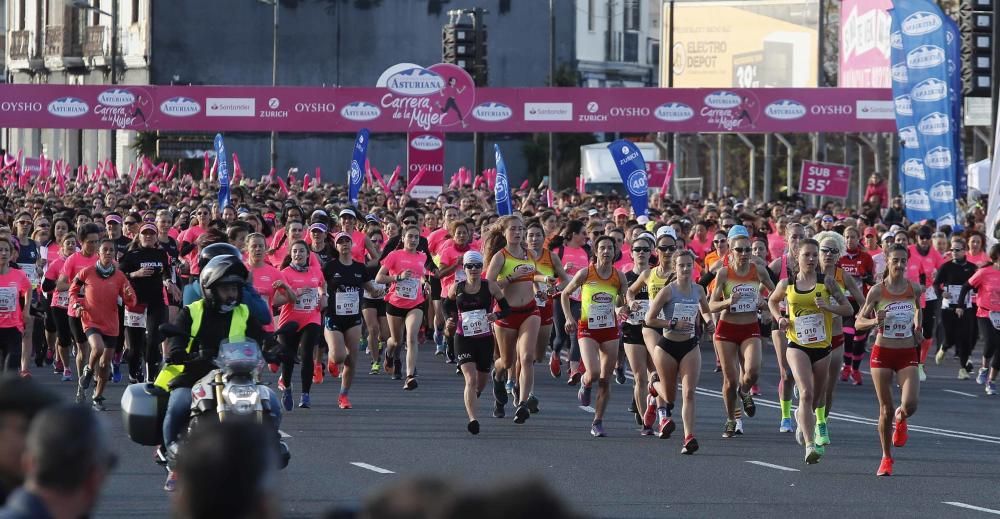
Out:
{"x": 588, "y": 409}
{"x": 972, "y": 507}
{"x": 284, "y": 434}
{"x": 963, "y": 393}
{"x": 772, "y": 466}
{"x": 372, "y": 468}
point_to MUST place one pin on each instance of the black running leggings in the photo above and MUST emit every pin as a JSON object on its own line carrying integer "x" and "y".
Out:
{"x": 959, "y": 332}
{"x": 304, "y": 342}
{"x": 991, "y": 352}
{"x": 144, "y": 343}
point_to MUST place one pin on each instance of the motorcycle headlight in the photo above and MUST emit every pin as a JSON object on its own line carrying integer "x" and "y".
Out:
{"x": 244, "y": 407}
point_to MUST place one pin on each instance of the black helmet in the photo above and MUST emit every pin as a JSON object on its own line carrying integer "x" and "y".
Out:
{"x": 222, "y": 270}
{"x": 217, "y": 249}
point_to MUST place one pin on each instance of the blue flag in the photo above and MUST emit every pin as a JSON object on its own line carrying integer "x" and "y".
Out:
{"x": 220, "y": 153}
{"x": 632, "y": 169}
{"x": 502, "y": 188}
{"x": 355, "y": 178}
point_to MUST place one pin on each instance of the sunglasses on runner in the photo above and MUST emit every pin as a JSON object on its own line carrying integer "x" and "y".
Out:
{"x": 742, "y": 250}
{"x": 719, "y": 241}
{"x": 641, "y": 249}
{"x": 473, "y": 266}
{"x": 957, "y": 250}
{"x": 669, "y": 248}
{"x": 829, "y": 250}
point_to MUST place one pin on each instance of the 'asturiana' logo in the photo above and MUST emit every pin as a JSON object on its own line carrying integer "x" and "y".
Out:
{"x": 116, "y": 97}
{"x": 723, "y": 99}
{"x": 68, "y": 107}
{"x": 917, "y": 200}
{"x": 180, "y": 107}
{"x": 925, "y": 56}
{"x": 492, "y": 112}
{"x": 936, "y": 123}
{"x": 426, "y": 143}
{"x": 360, "y": 111}
{"x": 415, "y": 82}
{"x": 914, "y": 168}
{"x": 904, "y": 105}
{"x": 943, "y": 192}
{"x": 938, "y": 158}
{"x": 673, "y": 112}
{"x": 899, "y": 74}
{"x": 896, "y": 40}
{"x": 920, "y": 23}
{"x": 785, "y": 109}
{"x": 930, "y": 89}
{"x": 908, "y": 136}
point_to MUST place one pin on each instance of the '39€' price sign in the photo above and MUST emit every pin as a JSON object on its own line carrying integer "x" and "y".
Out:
{"x": 825, "y": 179}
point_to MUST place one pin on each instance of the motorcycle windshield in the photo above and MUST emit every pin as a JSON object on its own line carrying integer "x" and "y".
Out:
{"x": 239, "y": 356}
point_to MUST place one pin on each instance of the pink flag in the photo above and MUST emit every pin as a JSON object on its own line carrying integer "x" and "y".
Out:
{"x": 394, "y": 178}
{"x": 415, "y": 180}
{"x": 454, "y": 180}
{"x": 666, "y": 180}
{"x": 524, "y": 185}
{"x": 378, "y": 177}
{"x": 305, "y": 181}
{"x": 291, "y": 175}
{"x": 480, "y": 179}
{"x": 61, "y": 179}
{"x": 135, "y": 178}
{"x": 79, "y": 174}
{"x": 581, "y": 185}
{"x": 43, "y": 166}
{"x": 316, "y": 176}
{"x": 205, "y": 169}
{"x": 270, "y": 175}
{"x": 282, "y": 185}
{"x": 548, "y": 197}
{"x": 173, "y": 170}
{"x": 237, "y": 169}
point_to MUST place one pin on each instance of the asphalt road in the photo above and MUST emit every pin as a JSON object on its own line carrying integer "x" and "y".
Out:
{"x": 952, "y": 455}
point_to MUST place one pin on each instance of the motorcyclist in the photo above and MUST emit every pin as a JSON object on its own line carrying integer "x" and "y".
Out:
{"x": 258, "y": 306}
{"x": 203, "y": 325}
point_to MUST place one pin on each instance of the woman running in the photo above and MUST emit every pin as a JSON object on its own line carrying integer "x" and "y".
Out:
{"x": 345, "y": 280}
{"x": 860, "y": 267}
{"x": 987, "y": 282}
{"x": 893, "y": 306}
{"x": 450, "y": 253}
{"x": 373, "y": 308}
{"x": 634, "y": 344}
{"x": 403, "y": 269}
{"x": 16, "y": 292}
{"x": 737, "y": 335}
{"x": 571, "y": 248}
{"x": 304, "y": 310}
{"x": 548, "y": 265}
{"x": 512, "y": 268}
{"x": 267, "y": 280}
{"x": 676, "y": 309}
{"x": 472, "y": 299}
{"x": 602, "y": 286}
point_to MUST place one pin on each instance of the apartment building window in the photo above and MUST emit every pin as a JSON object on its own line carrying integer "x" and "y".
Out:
{"x": 22, "y": 17}
{"x": 135, "y": 11}
{"x": 95, "y": 17}
{"x": 590, "y": 15}
{"x": 632, "y": 15}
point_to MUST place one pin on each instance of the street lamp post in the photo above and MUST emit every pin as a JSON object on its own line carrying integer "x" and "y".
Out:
{"x": 274, "y": 73}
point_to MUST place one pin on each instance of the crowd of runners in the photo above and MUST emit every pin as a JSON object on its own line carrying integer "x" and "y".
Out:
{"x": 571, "y": 285}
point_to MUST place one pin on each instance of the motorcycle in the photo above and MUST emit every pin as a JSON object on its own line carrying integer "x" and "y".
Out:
{"x": 231, "y": 392}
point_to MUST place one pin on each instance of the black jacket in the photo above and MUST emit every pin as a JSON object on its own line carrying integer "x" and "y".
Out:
{"x": 214, "y": 329}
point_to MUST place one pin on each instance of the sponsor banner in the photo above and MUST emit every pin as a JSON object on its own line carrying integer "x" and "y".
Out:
{"x": 825, "y": 179}
{"x": 494, "y": 110}
{"x": 926, "y": 44}
{"x": 658, "y": 172}
{"x": 359, "y": 157}
{"x": 864, "y": 43}
{"x": 745, "y": 44}
{"x": 425, "y": 151}
{"x": 632, "y": 169}
{"x": 501, "y": 189}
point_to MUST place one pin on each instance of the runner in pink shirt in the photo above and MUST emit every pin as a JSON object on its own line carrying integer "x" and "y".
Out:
{"x": 90, "y": 236}
{"x": 305, "y": 310}
{"x": 59, "y": 303}
{"x": 404, "y": 269}
{"x": 986, "y": 281}
{"x": 15, "y": 294}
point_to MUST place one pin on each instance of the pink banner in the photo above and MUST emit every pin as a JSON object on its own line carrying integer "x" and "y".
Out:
{"x": 864, "y": 44}
{"x": 495, "y": 110}
{"x": 658, "y": 173}
{"x": 825, "y": 179}
{"x": 425, "y": 151}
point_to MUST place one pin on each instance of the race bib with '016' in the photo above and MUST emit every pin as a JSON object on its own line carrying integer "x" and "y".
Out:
{"x": 346, "y": 303}
{"x": 407, "y": 288}
{"x": 135, "y": 319}
{"x": 639, "y": 315}
{"x": 686, "y": 312}
{"x": 748, "y": 299}
{"x": 308, "y": 300}
{"x": 810, "y": 329}
{"x": 8, "y": 299}
{"x": 601, "y": 316}
{"x": 475, "y": 323}
{"x": 898, "y": 324}
{"x": 995, "y": 319}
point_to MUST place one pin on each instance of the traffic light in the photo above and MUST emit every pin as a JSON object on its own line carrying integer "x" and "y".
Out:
{"x": 463, "y": 43}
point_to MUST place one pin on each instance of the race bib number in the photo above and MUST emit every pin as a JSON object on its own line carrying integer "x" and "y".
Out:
{"x": 930, "y": 294}
{"x": 30, "y": 271}
{"x": 995, "y": 319}
{"x": 638, "y": 315}
{"x": 8, "y": 299}
{"x": 62, "y": 299}
{"x": 135, "y": 319}
{"x": 685, "y": 312}
{"x": 601, "y": 316}
{"x": 346, "y": 303}
{"x": 460, "y": 275}
{"x": 898, "y": 324}
{"x": 308, "y": 300}
{"x": 475, "y": 323}
{"x": 810, "y": 329}
{"x": 407, "y": 288}
{"x": 748, "y": 299}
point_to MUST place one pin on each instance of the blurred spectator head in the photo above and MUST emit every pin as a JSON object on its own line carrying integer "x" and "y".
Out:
{"x": 20, "y": 400}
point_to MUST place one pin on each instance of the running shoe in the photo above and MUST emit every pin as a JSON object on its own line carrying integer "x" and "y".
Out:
{"x": 116, "y": 372}
{"x": 921, "y": 374}
{"x": 499, "y": 391}
{"x": 473, "y": 427}
{"x": 885, "y": 468}
{"x": 532, "y": 403}
{"x": 451, "y": 360}
{"x": 690, "y": 445}
{"x": 132, "y": 379}
{"x": 439, "y": 341}
{"x": 963, "y": 374}
{"x": 968, "y": 366}
{"x": 334, "y": 369}
{"x": 273, "y": 366}
{"x": 748, "y": 406}
{"x": 304, "y": 401}
{"x": 87, "y": 378}
{"x": 49, "y": 358}
{"x": 574, "y": 377}
{"x": 411, "y": 383}
{"x": 812, "y": 455}
{"x": 649, "y": 417}
{"x": 981, "y": 376}
{"x": 620, "y": 374}
{"x": 24, "y": 373}
{"x": 856, "y": 375}
{"x": 343, "y": 402}
{"x": 755, "y": 390}
{"x": 281, "y": 382}
{"x": 79, "y": 395}
{"x": 555, "y": 367}
{"x": 820, "y": 449}
{"x": 646, "y": 431}
{"x": 633, "y": 409}
{"x": 57, "y": 367}
{"x": 822, "y": 434}
{"x": 739, "y": 426}
{"x": 67, "y": 375}
{"x": 800, "y": 437}
{"x": 498, "y": 411}
{"x": 376, "y": 369}
{"x": 939, "y": 356}
{"x": 98, "y": 403}
{"x": 845, "y": 373}
{"x": 397, "y": 369}
{"x": 786, "y": 426}
{"x": 652, "y": 386}
{"x": 667, "y": 427}
{"x": 509, "y": 386}
{"x": 730, "y": 429}
{"x": 991, "y": 388}
{"x": 597, "y": 430}
{"x": 521, "y": 414}
{"x": 286, "y": 399}
{"x": 440, "y": 350}
{"x": 317, "y": 373}
{"x": 900, "y": 434}
{"x": 718, "y": 368}
{"x": 583, "y": 395}
{"x": 171, "y": 484}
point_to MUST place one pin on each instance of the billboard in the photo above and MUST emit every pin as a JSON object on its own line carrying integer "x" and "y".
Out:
{"x": 425, "y": 152}
{"x": 864, "y": 44}
{"x": 741, "y": 44}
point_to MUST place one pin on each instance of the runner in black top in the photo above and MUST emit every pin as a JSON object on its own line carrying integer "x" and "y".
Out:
{"x": 345, "y": 279}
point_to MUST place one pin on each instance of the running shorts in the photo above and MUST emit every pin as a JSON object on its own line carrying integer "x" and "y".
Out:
{"x": 736, "y": 333}
{"x": 814, "y": 354}
{"x": 517, "y": 316}
{"x": 895, "y": 359}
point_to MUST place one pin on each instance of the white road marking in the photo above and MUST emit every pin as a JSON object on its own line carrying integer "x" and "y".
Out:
{"x": 588, "y": 409}
{"x": 284, "y": 434}
{"x": 963, "y": 393}
{"x": 972, "y": 507}
{"x": 772, "y": 466}
{"x": 372, "y": 468}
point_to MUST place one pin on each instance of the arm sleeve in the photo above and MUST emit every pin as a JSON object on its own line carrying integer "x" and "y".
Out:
{"x": 186, "y": 248}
